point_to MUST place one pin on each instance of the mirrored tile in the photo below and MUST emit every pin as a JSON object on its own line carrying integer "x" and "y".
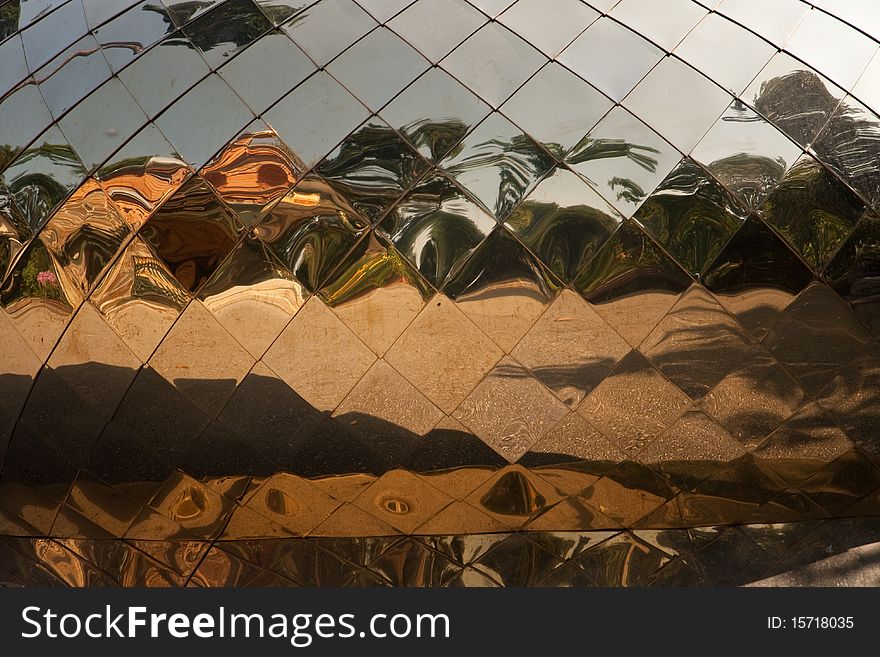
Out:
{"x": 37, "y": 298}
{"x": 817, "y": 335}
{"x": 274, "y": 50}
{"x": 383, "y": 404}
{"x": 746, "y": 154}
{"x": 573, "y": 439}
{"x": 14, "y": 234}
{"x": 315, "y": 117}
{"x": 310, "y": 229}
{"x": 497, "y": 164}
{"x": 451, "y": 21}
{"x": 146, "y": 78}
{"x": 774, "y": 22}
{"x": 754, "y": 399}
{"x": 376, "y": 292}
{"x": 15, "y": 68}
{"x": 570, "y": 349}
{"x": 623, "y": 159}
{"x": 299, "y": 356}
{"x": 72, "y": 75}
{"x": 493, "y": 63}
{"x": 142, "y": 174}
{"x": 517, "y": 561}
{"x": 443, "y": 354}
{"x": 20, "y": 367}
{"x": 139, "y": 298}
{"x": 94, "y": 362}
{"x": 631, "y": 283}
{"x": 132, "y": 32}
{"x": 9, "y": 20}
{"x": 252, "y": 296}
{"x": 192, "y": 233}
{"x": 41, "y": 177}
{"x": 657, "y": 100}
{"x": 697, "y": 344}
{"x": 183, "y": 11}
{"x": 100, "y": 124}
{"x": 253, "y": 172}
{"x": 610, "y": 57}
{"x": 813, "y": 211}
{"x": 666, "y": 29}
{"x": 557, "y": 122}
{"x": 293, "y": 503}
{"x": 492, "y": 7}
{"x": 327, "y": 28}
{"x": 436, "y": 227}
{"x": 85, "y": 234}
{"x": 201, "y": 359}
{"x": 224, "y": 31}
{"x": 867, "y": 88}
{"x": 853, "y": 273}
{"x": 279, "y": 11}
{"x": 552, "y": 31}
{"x": 435, "y": 113}
{"x": 564, "y": 222}
{"x": 99, "y": 12}
{"x": 378, "y": 67}
{"x": 692, "y": 216}
{"x": 694, "y": 437}
{"x": 808, "y": 435}
{"x": 832, "y": 47}
{"x": 23, "y": 116}
{"x": 793, "y": 97}
{"x": 726, "y": 52}
{"x": 372, "y": 168}
{"x": 46, "y": 38}
{"x": 756, "y": 277}
{"x": 204, "y": 119}
{"x": 502, "y": 288}
{"x": 848, "y": 144}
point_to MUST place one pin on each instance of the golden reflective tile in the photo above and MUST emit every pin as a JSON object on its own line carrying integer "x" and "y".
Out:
{"x": 838, "y": 485}
{"x": 94, "y": 361}
{"x": 570, "y": 349}
{"x": 566, "y": 480}
{"x": 201, "y": 359}
{"x": 634, "y": 405}
{"x": 69, "y": 522}
{"x": 12, "y": 525}
{"x": 693, "y": 437}
{"x": 377, "y": 293}
{"x": 665, "y": 516}
{"x": 402, "y": 500}
{"x": 245, "y": 524}
{"x": 220, "y": 568}
{"x": 574, "y": 439}
{"x": 697, "y": 344}
{"x": 253, "y": 296}
{"x": 303, "y": 358}
{"x": 443, "y": 354}
{"x": 38, "y": 298}
{"x": 809, "y": 435}
{"x": 518, "y": 561}
{"x": 460, "y": 518}
{"x": 70, "y": 568}
{"x": 292, "y": 502}
{"x": 383, "y": 394}
{"x": 104, "y": 505}
{"x": 789, "y": 506}
{"x": 622, "y": 560}
{"x": 351, "y": 521}
{"x": 85, "y": 234}
{"x": 510, "y": 410}
{"x": 192, "y": 505}
{"x": 623, "y": 505}
{"x": 139, "y": 299}
{"x": 514, "y": 496}
{"x": 754, "y": 399}
{"x": 181, "y": 557}
{"x": 19, "y": 366}
{"x": 142, "y": 176}
{"x": 502, "y": 288}
{"x": 458, "y": 482}
{"x": 35, "y": 506}
{"x": 572, "y": 513}
{"x": 253, "y": 172}
{"x": 411, "y": 563}
{"x": 344, "y": 487}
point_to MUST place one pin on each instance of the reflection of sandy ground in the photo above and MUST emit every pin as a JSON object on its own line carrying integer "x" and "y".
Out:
{"x": 505, "y": 311}
{"x": 635, "y": 316}
{"x": 140, "y": 323}
{"x": 381, "y": 315}
{"x": 255, "y": 314}
{"x": 40, "y": 322}
{"x": 758, "y": 309}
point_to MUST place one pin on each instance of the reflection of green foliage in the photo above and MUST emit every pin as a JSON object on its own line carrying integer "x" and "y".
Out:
{"x": 278, "y": 13}
{"x": 437, "y": 137}
{"x": 8, "y": 19}
{"x": 812, "y": 211}
{"x": 596, "y": 149}
{"x": 373, "y": 270}
{"x": 7, "y": 153}
{"x": 38, "y": 262}
{"x": 238, "y": 22}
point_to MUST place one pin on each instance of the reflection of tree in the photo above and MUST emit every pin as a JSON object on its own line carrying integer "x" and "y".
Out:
{"x": 437, "y": 136}
{"x": 8, "y": 19}
{"x": 798, "y": 102}
{"x": 599, "y": 149}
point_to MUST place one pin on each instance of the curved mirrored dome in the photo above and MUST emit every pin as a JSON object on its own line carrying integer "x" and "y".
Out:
{"x": 372, "y": 280}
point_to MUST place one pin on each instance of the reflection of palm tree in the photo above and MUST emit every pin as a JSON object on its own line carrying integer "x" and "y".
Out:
{"x": 598, "y": 149}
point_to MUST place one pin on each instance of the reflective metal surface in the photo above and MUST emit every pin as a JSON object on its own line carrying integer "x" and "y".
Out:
{"x": 437, "y": 293}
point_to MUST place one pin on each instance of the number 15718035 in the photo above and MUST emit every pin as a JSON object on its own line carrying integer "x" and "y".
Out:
{"x": 811, "y": 623}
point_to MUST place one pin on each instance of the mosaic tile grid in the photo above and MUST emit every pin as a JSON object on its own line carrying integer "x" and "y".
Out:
{"x": 277, "y": 268}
